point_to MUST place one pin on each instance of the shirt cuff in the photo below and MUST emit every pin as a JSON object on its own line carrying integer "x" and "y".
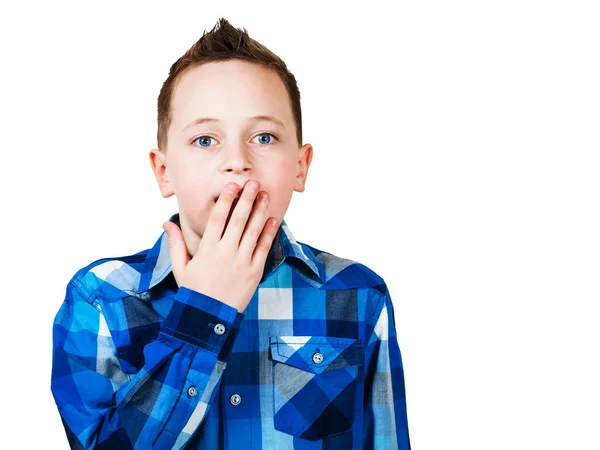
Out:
{"x": 203, "y": 321}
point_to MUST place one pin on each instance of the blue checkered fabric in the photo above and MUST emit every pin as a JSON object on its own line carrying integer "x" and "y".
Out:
{"x": 312, "y": 363}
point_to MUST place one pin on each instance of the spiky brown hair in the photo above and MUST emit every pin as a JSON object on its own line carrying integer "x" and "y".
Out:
{"x": 224, "y": 42}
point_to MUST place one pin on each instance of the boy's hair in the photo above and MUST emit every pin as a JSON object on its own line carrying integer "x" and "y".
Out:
{"x": 224, "y": 42}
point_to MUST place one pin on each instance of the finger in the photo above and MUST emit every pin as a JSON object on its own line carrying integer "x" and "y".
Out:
{"x": 265, "y": 241}
{"x": 255, "y": 225}
{"x": 241, "y": 212}
{"x": 218, "y": 216}
{"x": 177, "y": 249}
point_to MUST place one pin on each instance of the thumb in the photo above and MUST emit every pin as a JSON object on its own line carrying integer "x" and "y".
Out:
{"x": 177, "y": 249}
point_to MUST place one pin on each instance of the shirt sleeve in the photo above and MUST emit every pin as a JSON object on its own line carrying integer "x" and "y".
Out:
{"x": 385, "y": 421}
{"x": 159, "y": 407}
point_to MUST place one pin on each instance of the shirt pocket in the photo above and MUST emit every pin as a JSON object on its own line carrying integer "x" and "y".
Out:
{"x": 314, "y": 384}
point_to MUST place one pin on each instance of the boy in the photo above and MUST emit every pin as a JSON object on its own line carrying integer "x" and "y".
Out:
{"x": 229, "y": 333}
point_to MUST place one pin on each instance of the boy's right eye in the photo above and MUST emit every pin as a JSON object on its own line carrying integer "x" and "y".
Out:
{"x": 203, "y": 139}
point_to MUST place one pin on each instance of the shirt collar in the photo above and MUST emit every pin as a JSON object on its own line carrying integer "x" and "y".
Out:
{"x": 285, "y": 247}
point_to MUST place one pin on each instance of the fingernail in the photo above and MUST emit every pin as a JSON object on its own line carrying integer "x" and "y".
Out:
{"x": 233, "y": 187}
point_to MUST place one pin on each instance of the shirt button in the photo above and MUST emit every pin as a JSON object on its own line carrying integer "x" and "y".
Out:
{"x": 317, "y": 358}
{"x": 235, "y": 399}
{"x": 219, "y": 328}
{"x": 192, "y": 391}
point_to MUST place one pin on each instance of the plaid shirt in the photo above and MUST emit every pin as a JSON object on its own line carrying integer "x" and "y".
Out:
{"x": 312, "y": 363}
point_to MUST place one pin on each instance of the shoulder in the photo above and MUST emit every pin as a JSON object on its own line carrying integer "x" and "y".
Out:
{"x": 112, "y": 276}
{"x": 349, "y": 272}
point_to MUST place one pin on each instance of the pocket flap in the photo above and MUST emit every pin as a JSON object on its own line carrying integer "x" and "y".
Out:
{"x": 299, "y": 351}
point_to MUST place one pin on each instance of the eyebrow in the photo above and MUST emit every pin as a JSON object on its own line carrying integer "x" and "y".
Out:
{"x": 263, "y": 118}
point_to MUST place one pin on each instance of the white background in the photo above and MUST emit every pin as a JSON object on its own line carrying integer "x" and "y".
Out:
{"x": 456, "y": 153}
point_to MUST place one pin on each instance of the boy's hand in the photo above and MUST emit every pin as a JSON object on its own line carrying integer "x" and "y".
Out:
{"x": 227, "y": 266}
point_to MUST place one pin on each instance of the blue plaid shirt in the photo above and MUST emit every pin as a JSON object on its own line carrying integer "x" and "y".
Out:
{"x": 312, "y": 363}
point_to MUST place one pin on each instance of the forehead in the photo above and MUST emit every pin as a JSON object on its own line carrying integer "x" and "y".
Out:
{"x": 229, "y": 91}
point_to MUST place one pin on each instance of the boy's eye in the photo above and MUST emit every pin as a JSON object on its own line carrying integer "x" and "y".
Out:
{"x": 265, "y": 134}
{"x": 204, "y": 141}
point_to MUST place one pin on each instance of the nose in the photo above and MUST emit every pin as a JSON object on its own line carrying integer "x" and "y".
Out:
{"x": 236, "y": 159}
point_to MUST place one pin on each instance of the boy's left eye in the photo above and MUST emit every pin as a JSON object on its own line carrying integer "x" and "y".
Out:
{"x": 206, "y": 139}
{"x": 266, "y": 134}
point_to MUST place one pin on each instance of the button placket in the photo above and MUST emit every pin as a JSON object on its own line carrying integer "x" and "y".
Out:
{"x": 192, "y": 391}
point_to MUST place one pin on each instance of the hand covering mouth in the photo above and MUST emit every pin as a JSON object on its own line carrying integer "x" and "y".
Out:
{"x": 237, "y": 197}
{"x": 235, "y": 202}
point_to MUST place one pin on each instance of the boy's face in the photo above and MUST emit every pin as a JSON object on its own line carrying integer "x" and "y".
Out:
{"x": 202, "y": 158}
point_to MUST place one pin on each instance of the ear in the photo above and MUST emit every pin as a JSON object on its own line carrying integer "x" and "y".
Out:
{"x": 304, "y": 160}
{"x": 158, "y": 162}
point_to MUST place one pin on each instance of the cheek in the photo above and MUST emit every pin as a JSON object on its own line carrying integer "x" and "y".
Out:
{"x": 279, "y": 191}
{"x": 193, "y": 188}
{"x": 281, "y": 175}
{"x": 279, "y": 183}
